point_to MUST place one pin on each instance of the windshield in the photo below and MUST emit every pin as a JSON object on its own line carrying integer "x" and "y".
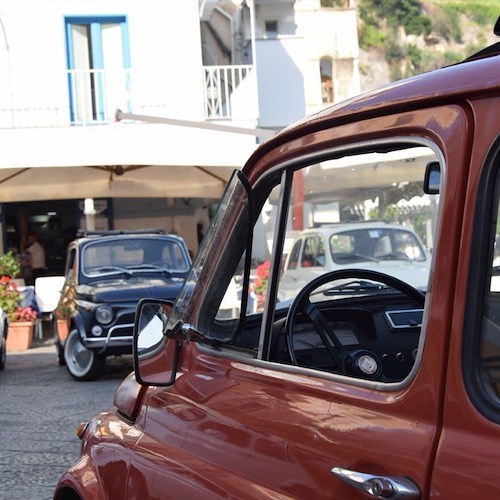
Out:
{"x": 133, "y": 255}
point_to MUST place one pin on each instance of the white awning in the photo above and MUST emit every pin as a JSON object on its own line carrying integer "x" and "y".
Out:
{"x": 120, "y": 160}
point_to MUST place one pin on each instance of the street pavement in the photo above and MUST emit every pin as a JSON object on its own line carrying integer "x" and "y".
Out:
{"x": 40, "y": 408}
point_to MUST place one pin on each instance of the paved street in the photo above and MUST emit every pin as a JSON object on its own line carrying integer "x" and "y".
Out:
{"x": 40, "y": 408}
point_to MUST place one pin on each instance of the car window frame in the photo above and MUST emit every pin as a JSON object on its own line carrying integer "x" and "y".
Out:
{"x": 487, "y": 205}
{"x": 286, "y": 169}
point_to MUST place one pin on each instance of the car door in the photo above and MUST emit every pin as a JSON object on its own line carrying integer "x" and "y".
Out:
{"x": 239, "y": 422}
{"x": 468, "y": 453}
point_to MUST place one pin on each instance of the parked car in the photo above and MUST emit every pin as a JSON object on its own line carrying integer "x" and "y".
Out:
{"x": 387, "y": 248}
{"x": 105, "y": 276}
{"x": 4, "y": 328}
{"x": 363, "y": 385}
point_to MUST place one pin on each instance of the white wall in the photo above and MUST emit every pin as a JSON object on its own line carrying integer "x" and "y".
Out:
{"x": 163, "y": 36}
{"x": 176, "y": 216}
{"x": 281, "y": 11}
{"x": 288, "y": 66}
{"x": 280, "y": 79}
{"x": 329, "y": 33}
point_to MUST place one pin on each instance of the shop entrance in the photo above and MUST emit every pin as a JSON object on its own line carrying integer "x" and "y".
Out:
{"x": 54, "y": 222}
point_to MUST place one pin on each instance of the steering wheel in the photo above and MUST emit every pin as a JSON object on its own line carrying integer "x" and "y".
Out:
{"x": 360, "y": 363}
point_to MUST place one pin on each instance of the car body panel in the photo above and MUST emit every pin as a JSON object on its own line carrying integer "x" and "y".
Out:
{"x": 241, "y": 417}
{"x": 468, "y": 453}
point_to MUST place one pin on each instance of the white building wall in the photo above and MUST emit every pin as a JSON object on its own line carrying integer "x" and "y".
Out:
{"x": 329, "y": 33}
{"x": 163, "y": 36}
{"x": 281, "y": 84}
{"x": 288, "y": 66}
{"x": 175, "y": 216}
{"x": 282, "y": 12}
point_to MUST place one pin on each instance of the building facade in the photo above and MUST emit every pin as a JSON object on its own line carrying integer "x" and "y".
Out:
{"x": 199, "y": 84}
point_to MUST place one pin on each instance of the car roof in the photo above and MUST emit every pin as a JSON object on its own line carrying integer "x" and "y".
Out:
{"x": 128, "y": 236}
{"x": 329, "y": 229}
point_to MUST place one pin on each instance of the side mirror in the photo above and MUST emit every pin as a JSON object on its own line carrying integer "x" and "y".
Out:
{"x": 432, "y": 179}
{"x": 155, "y": 355}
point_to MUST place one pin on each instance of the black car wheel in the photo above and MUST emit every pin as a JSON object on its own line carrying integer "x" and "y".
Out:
{"x": 82, "y": 363}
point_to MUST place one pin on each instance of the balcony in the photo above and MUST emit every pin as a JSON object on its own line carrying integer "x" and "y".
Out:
{"x": 90, "y": 97}
{"x": 221, "y": 84}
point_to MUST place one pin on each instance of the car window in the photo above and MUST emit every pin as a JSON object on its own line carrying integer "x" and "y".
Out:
{"x": 313, "y": 254}
{"x": 293, "y": 259}
{"x": 368, "y": 211}
{"x": 262, "y": 244}
{"x": 71, "y": 264}
{"x": 357, "y": 327}
{"x": 361, "y": 215}
{"x": 216, "y": 309}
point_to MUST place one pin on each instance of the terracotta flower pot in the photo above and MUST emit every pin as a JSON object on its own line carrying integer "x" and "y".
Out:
{"x": 20, "y": 335}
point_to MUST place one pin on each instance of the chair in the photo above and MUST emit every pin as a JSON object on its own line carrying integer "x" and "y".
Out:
{"x": 47, "y": 293}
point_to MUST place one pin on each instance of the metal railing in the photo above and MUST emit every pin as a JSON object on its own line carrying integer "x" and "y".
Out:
{"x": 220, "y": 83}
{"x": 95, "y": 94}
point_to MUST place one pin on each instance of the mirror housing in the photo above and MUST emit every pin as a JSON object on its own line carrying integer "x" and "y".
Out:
{"x": 155, "y": 353}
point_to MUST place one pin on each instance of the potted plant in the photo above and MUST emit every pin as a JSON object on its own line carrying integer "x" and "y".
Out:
{"x": 65, "y": 309}
{"x": 63, "y": 314}
{"x": 21, "y": 320}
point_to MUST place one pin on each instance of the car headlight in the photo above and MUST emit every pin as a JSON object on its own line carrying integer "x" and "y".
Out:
{"x": 104, "y": 315}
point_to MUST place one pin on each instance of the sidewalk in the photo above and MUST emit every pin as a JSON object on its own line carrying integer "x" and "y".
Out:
{"x": 40, "y": 408}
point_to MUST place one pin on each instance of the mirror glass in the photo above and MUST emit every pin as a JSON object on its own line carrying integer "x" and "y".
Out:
{"x": 432, "y": 181}
{"x": 155, "y": 356}
{"x": 152, "y": 321}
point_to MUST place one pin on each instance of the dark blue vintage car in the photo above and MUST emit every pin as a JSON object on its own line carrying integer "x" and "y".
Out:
{"x": 106, "y": 274}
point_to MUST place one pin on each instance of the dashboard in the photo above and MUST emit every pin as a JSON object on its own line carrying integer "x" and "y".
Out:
{"x": 387, "y": 330}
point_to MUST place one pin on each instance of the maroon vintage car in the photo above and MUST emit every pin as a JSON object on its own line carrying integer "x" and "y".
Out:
{"x": 360, "y": 384}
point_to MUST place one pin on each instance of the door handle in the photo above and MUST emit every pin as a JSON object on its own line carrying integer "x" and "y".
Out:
{"x": 394, "y": 487}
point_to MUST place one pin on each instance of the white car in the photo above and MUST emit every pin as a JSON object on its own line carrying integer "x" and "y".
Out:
{"x": 390, "y": 249}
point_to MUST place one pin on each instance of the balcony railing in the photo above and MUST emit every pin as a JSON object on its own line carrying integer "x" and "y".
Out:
{"x": 94, "y": 95}
{"x": 221, "y": 83}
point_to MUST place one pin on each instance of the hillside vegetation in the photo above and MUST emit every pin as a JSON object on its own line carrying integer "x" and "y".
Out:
{"x": 402, "y": 38}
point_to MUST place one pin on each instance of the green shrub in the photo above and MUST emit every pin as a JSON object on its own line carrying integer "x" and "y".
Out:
{"x": 9, "y": 266}
{"x": 370, "y": 37}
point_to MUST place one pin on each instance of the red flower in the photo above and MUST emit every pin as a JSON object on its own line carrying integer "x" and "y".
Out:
{"x": 4, "y": 279}
{"x": 263, "y": 270}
